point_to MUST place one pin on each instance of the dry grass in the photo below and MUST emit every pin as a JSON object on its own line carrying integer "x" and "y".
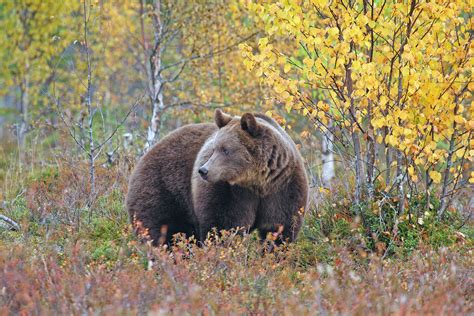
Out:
{"x": 60, "y": 262}
{"x": 230, "y": 276}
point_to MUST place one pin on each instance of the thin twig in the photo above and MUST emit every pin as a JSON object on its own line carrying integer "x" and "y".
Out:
{"x": 11, "y": 224}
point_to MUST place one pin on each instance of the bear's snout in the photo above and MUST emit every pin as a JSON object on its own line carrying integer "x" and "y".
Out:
{"x": 203, "y": 172}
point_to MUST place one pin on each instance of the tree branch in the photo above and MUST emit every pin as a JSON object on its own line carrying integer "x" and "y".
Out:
{"x": 10, "y": 224}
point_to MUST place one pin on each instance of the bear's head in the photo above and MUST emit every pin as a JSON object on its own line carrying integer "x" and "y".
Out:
{"x": 232, "y": 149}
{"x": 243, "y": 151}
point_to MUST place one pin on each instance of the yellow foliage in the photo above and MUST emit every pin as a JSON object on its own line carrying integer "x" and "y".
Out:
{"x": 403, "y": 71}
{"x": 435, "y": 176}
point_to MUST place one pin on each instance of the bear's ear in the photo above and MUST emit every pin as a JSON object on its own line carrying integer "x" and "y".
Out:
{"x": 221, "y": 118}
{"x": 249, "y": 124}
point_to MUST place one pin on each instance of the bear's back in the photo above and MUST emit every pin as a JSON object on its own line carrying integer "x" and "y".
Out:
{"x": 168, "y": 166}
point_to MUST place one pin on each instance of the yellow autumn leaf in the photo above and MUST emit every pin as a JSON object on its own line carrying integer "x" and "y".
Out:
{"x": 308, "y": 62}
{"x": 356, "y": 65}
{"x": 435, "y": 176}
{"x": 263, "y": 41}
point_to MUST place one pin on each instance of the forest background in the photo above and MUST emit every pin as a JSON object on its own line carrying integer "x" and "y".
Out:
{"x": 377, "y": 95}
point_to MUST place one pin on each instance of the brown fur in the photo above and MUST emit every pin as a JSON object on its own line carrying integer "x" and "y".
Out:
{"x": 255, "y": 179}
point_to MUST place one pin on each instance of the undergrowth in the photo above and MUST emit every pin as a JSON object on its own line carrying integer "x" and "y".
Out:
{"x": 69, "y": 258}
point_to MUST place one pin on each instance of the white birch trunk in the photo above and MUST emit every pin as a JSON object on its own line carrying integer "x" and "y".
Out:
{"x": 401, "y": 183}
{"x": 328, "y": 168}
{"x": 449, "y": 164}
{"x": 155, "y": 81}
{"x": 153, "y": 132}
{"x": 24, "y": 103}
{"x": 90, "y": 112}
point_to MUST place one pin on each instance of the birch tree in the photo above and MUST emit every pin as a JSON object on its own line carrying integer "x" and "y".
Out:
{"x": 328, "y": 171}
{"x": 32, "y": 35}
{"x": 397, "y": 76}
{"x": 174, "y": 42}
{"x": 84, "y": 130}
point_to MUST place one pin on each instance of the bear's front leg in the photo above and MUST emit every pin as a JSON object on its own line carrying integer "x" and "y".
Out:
{"x": 281, "y": 214}
{"x": 222, "y": 206}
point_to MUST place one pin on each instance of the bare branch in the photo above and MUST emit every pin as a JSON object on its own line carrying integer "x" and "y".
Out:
{"x": 210, "y": 54}
{"x": 10, "y": 224}
{"x": 132, "y": 108}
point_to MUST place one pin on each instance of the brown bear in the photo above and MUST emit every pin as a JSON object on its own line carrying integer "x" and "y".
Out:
{"x": 240, "y": 172}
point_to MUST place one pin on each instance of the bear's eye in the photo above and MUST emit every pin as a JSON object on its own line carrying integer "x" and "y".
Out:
{"x": 225, "y": 151}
